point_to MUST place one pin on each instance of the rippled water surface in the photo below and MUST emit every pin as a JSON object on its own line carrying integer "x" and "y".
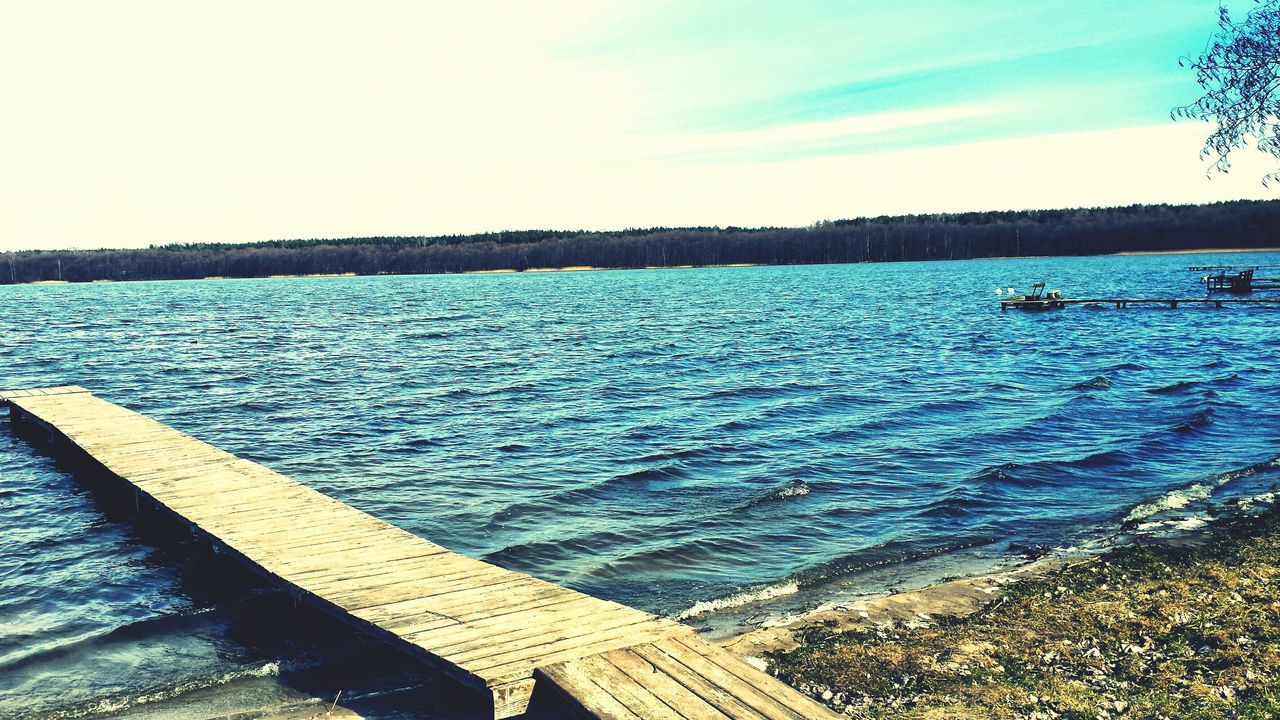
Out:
{"x": 677, "y": 440}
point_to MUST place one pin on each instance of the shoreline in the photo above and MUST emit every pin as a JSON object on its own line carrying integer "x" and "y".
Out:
{"x": 249, "y": 698}
{"x": 593, "y": 268}
{"x": 947, "y": 598}
{"x": 1205, "y": 251}
{"x": 1108, "y": 636}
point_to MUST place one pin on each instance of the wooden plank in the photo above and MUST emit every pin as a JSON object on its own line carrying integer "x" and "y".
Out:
{"x": 515, "y": 592}
{"x": 404, "y": 618}
{"x": 582, "y": 688}
{"x": 723, "y": 701}
{"x": 321, "y": 540}
{"x": 563, "y": 633}
{"x": 172, "y": 476}
{"x": 352, "y": 561}
{"x": 797, "y": 701}
{"x": 225, "y": 500}
{"x": 765, "y": 694}
{"x": 284, "y": 516}
{"x": 633, "y": 692}
{"x": 445, "y": 569}
{"x": 530, "y": 627}
{"x": 441, "y": 562}
{"x": 348, "y": 554}
{"x": 520, "y": 662}
{"x": 350, "y": 558}
{"x": 667, "y": 686}
{"x": 236, "y": 509}
{"x": 473, "y": 589}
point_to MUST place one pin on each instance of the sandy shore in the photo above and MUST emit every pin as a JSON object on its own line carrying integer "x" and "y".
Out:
{"x": 592, "y": 268}
{"x": 256, "y": 698}
{"x": 955, "y": 598}
{"x": 1202, "y": 251}
{"x": 1176, "y": 627}
{"x": 311, "y": 275}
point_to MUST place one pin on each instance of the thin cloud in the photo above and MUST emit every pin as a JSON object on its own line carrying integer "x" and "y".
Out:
{"x": 706, "y": 144}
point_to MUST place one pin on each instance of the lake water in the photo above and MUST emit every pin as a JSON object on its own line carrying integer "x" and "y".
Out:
{"x": 687, "y": 441}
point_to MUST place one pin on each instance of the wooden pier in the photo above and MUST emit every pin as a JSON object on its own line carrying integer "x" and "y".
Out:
{"x": 501, "y": 632}
{"x": 1050, "y": 303}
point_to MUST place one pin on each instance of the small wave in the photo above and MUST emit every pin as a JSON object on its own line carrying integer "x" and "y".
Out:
{"x": 1172, "y": 500}
{"x": 662, "y": 472}
{"x": 1173, "y": 525}
{"x": 1184, "y": 496}
{"x": 796, "y": 488}
{"x": 746, "y": 597}
{"x": 1096, "y": 383}
{"x": 998, "y": 474}
{"x": 1177, "y": 387}
{"x": 1256, "y": 468}
{"x": 1201, "y": 419}
{"x": 464, "y": 392}
{"x": 549, "y": 504}
{"x": 760, "y": 391}
{"x": 113, "y": 705}
{"x": 893, "y": 552}
{"x": 681, "y": 454}
{"x": 135, "y": 629}
{"x": 956, "y": 504}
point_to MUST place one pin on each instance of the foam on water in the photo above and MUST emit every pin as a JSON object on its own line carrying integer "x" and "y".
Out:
{"x": 1182, "y": 497}
{"x": 748, "y": 597}
{"x": 115, "y": 705}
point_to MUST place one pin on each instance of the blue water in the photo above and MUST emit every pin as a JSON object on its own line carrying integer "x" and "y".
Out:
{"x": 662, "y": 438}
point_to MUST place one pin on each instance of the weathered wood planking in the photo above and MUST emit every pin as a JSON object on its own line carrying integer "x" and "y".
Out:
{"x": 486, "y": 626}
{"x": 677, "y": 678}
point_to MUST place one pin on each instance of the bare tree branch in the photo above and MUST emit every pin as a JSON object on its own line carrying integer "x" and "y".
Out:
{"x": 1240, "y": 73}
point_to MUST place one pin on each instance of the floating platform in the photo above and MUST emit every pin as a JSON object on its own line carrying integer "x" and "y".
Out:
{"x": 1050, "y": 303}
{"x": 506, "y": 634}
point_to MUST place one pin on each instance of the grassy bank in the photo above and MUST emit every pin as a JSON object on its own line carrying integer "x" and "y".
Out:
{"x": 1186, "y": 630}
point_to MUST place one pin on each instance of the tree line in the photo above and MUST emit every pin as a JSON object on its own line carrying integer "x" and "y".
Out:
{"x": 948, "y": 236}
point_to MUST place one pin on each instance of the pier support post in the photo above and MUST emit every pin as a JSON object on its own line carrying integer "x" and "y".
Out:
{"x": 511, "y": 699}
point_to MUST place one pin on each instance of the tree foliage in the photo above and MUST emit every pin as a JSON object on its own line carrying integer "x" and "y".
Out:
{"x": 1239, "y": 71}
{"x": 947, "y": 236}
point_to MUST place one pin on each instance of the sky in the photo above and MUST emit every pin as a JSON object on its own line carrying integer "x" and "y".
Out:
{"x": 133, "y": 123}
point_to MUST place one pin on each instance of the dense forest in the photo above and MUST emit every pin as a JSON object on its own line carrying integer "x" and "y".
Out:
{"x": 1242, "y": 224}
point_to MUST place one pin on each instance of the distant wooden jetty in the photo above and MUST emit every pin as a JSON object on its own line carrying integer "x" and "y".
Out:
{"x": 1052, "y": 300}
{"x": 1023, "y": 303}
{"x": 1239, "y": 282}
{"x": 1202, "y": 268}
{"x": 501, "y": 632}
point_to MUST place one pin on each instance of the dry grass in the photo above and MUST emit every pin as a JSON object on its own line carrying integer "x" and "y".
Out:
{"x": 1145, "y": 632}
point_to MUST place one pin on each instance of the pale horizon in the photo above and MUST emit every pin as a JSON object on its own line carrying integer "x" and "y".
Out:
{"x": 145, "y": 123}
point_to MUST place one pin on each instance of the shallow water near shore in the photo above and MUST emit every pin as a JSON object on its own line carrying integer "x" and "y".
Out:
{"x": 691, "y": 442}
